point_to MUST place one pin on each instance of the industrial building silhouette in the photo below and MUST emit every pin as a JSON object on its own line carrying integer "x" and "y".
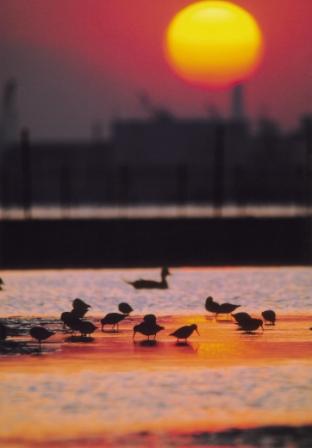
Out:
{"x": 162, "y": 159}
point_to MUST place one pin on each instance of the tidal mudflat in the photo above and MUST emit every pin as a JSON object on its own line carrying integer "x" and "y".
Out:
{"x": 222, "y": 388}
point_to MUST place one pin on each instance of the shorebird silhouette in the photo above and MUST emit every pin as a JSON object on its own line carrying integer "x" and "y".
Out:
{"x": 4, "y": 331}
{"x": 125, "y": 308}
{"x": 40, "y": 333}
{"x": 251, "y": 325}
{"x": 185, "y": 332}
{"x": 227, "y": 308}
{"x": 148, "y": 328}
{"x": 150, "y": 319}
{"x": 269, "y": 316}
{"x": 219, "y": 308}
{"x": 241, "y": 317}
{"x": 1, "y": 284}
{"x": 80, "y": 308}
{"x": 152, "y": 284}
{"x": 86, "y": 327}
{"x": 112, "y": 319}
{"x": 212, "y": 306}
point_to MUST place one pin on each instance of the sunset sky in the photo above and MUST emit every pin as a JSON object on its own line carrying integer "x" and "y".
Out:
{"x": 78, "y": 61}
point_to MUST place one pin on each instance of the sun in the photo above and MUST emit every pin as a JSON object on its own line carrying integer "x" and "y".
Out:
{"x": 214, "y": 43}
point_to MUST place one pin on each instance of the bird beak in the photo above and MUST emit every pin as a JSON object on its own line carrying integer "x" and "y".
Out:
{"x": 197, "y": 332}
{"x": 134, "y": 335}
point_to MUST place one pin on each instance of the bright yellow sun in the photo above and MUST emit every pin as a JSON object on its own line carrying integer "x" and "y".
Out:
{"x": 214, "y": 43}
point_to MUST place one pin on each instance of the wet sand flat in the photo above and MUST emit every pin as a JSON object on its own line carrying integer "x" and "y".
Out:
{"x": 112, "y": 390}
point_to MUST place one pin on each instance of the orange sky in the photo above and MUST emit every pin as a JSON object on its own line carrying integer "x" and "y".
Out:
{"x": 77, "y": 62}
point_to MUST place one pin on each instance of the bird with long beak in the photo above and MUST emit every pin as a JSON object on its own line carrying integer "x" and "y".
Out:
{"x": 185, "y": 332}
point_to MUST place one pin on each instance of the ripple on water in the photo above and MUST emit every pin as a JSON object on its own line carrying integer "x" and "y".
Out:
{"x": 288, "y": 289}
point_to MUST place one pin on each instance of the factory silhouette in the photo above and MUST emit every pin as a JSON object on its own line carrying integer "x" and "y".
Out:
{"x": 158, "y": 160}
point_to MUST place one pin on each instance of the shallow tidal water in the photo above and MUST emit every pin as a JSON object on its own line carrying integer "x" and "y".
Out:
{"x": 112, "y": 391}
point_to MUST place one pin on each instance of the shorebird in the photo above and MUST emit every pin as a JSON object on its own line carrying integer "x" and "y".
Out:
{"x": 112, "y": 319}
{"x": 185, "y": 332}
{"x": 125, "y": 308}
{"x": 152, "y": 284}
{"x": 241, "y": 317}
{"x": 150, "y": 319}
{"x": 251, "y": 325}
{"x": 219, "y": 308}
{"x": 1, "y": 283}
{"x": 212, "y": 306}
{"x": 269, "y": 316}
{"x": 67, "y": 318}
{"x": 3, "y": 332}
{"x": 40, "y": 333}
{"x": 147, "y": 329}
{"x": 227, "y": 308}
{"x": 79, "y": 303}
{"x": 85, "y": 327}
{"x": 80, "y": 308}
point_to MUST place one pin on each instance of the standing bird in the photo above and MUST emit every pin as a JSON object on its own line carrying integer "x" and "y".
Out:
{"x": 147, "y": 329}
{"x": 219, "y": 308}
{"x": 1, "y": 284}
{"x": 227, "y": 308}
{"x": 85, "y": 327}
{"x": 80, "y": 308}
{"x": 269, "y": 316}
{"x": 150, "y": 319}
{"x": 40, "y": 333}
{"x": 4, "y": 331}
{"x": 241, "y": 317}
{"x": 251, "y": 325}
{"x": 152, "y": 284}
{"x": 185, "y": 332}
{"x": 112, "y": 319}
{"x": 125, "y": 308}
{"x": 67, "y": 318}
{"x": 212, "y": 306}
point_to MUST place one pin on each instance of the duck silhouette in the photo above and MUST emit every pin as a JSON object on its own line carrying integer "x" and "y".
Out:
{"x": 184, "y": 332}
{"x": 125, "y": 308}
{"x": 112, "y": 319}
{"x": 152, "y": 284}
{"x": 269, "y": 316}
{"x": 251, "y": 325}
{"x": 4, "y": 331}
{"x": 40, "y": 333}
